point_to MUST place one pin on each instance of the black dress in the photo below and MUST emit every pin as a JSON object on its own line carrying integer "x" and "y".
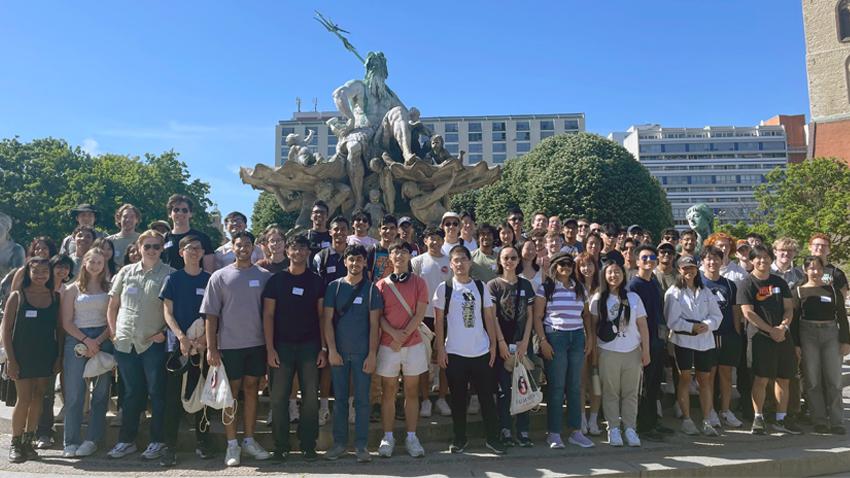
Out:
{"x": 34, "y": 338}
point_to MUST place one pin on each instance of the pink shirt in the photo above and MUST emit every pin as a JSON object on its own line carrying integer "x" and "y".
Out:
{"x": 414, "y": 291}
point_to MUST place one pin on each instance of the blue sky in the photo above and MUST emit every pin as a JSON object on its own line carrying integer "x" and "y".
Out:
{"x": 211, "y": 79}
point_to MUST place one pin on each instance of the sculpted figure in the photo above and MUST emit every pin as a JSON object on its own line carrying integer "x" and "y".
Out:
{"x": 701, "y": 219}
{"x": 438, "y": 154}
{"x": 336, "y": 195}
{"x": 298, "y": 150}
{"x": 417, "y": 130}
{"x": 11, "y": 254}
{"x": 427, "y": 206}
{"x": 381, "y": 168}
{"x": 352, "y": 145}
{"x": 375, "y": 209}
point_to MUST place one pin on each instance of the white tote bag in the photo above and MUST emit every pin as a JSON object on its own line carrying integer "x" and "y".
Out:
{"x": 525, "y": 394}
{"x": 216, "y": 392}
{"x": 192, "y": 404}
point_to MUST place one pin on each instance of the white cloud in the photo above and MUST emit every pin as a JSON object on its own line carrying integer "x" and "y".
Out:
{"x": 91, "y": 146}
{"x": 175, "y": 130}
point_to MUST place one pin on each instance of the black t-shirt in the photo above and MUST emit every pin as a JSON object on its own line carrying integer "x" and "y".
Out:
{"x": 766, "y": 297}
{"x": 296, "y": 318}
{"x": 318, "y": 241}
{"x": 650, "y": 294}
{"x": 329, "y": 264}
{"x": 506, "y": 296}
{"x": 832, "y": 275}
{"x": 171, "y": 249}
{"x": 820, "y": 304}
{"x": 726, "y": 293}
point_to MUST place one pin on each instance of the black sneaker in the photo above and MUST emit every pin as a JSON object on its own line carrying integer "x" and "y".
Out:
{"x": 652, "y": 435}
{"x": 821, "y": 428}
{"x": 664, "y": 430}
{"x": 787, "y": 426}
{"x": 203, "y": 450}
{"x": 168, "y": 458}
{"x": 458, "y": 448}
{"x": 758, "y": 426}
{"x": 837, "y": 430}
{"x": 16, "y": 451}
{"x": 310, "y": 455}
{"x": 524, "y": 441}
{"x": 280, "y": 455}
{"x": 496, "y": 447}
{"x": 507, "y": 440}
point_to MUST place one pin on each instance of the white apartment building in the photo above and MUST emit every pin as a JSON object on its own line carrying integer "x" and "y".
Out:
{"x": 717, "y": 165}
{"x": 493, "y": 139}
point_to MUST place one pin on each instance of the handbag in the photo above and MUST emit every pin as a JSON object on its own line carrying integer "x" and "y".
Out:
{"x": 607, "y": 330}
{"x": 193, "y": 403}
{"x": 525, "y": 394}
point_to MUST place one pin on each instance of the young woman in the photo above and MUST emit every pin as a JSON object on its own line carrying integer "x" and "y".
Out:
{"x": 41, "y": 246}
{"x": 530, "y": 268}
{"x": 506, "y": 236}
{"x": 621, "y": 359}
{"x": 692, "y": 315}
{"x": 133, "y": 254}
{"x": 514, "y": 298}
{"x": 32, "y": 339}
{"x": 593, "y": 246}
{"x": 817, "y": 308}
{"x": 587, "y": 274}
{"x": 108, "y": 249}
{"x": 84, "y": 306}
{"x": 562, "y": 322}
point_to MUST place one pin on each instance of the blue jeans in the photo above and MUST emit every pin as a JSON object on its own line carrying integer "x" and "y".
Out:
{"x": 76, "y": 389}
{"x": 563, "y": 374}
{"x": 352, "y": 365}
{"x": 503, "y": 400}
{"x": 143, "y": 376}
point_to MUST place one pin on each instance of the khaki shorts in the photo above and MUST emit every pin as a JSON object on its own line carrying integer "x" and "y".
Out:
{"x": 411, "y": 360}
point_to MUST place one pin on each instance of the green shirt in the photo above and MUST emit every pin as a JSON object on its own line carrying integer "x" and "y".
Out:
{"x": 483, "y": 266}
{"x": 121, "y": 244}
{"x": 140, "y": 315}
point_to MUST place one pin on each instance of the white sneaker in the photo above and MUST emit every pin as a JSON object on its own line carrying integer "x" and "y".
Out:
{"x": 385, "y": 449}
{"x": 713, "y": 419}
{"x": 632, "y": 437}
{"x": 255, "y": 450}
{"x": 233, "y": 456}
{"x": 443, "y": 407}
{"x": 474, "y": 406}
{"x": 708, "y": 430}
{"x": 153, "y": 451}
{"x": 324, "y": 416}
{"x": 593, "y": 428}
{"x": 120, "y": 450}
{"x": 414, "y": 448}
{"x": 614, "y": 437}
{"x": 659, "y": 409}
{"x": 425, "y": 408}
{"x": 70, "y": 451}
{"x": 730, "y": 419}
{"x": 688, "y": 427}
{"x": 87, "y": 448}
{"x": 294, "y": 411}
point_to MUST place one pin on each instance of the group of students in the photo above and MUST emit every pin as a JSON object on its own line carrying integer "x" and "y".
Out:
{"x": 600, "y": 309}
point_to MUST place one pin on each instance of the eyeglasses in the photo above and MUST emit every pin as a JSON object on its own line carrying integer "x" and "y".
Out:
{"x": 515, "y": 219}
{"x": 452, "y": 224}
{"x": 648, "y": 258}
{"x": 193, "y": 248}
{"x": 155, "y": 247}
{"x": 583, "y": 226}
{"x": 182, "y": 210}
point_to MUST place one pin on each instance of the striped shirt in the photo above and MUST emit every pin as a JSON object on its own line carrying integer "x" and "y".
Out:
{"x": 563, "y": 312}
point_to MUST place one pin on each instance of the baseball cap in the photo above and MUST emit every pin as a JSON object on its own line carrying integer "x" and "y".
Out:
{"x": 405, "y": 219}
{"x": 571, "y": 221}
{"x": 634, "y": 228}
{"x": 687, "y": 261}
{"x": 449, "y": 214}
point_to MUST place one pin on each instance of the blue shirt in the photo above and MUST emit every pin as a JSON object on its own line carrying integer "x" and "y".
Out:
{"x": 651, "y": 295}
{"x": 726, "y": 292}
{"x": 351, "y": 331}
{"x": 186, "y": 293}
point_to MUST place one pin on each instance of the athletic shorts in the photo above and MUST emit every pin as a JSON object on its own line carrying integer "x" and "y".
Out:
{"x": 773, "y": 359}
{"x": 729, "y": 348}
{"x": 410, "y": 361}
{"x": 690, "y": 359}
{"x": 250, "y": 361}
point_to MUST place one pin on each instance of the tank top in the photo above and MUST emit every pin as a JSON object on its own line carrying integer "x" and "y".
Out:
{"x": 90, "y": 310}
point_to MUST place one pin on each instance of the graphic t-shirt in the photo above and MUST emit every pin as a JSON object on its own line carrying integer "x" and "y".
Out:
{"x": 378, "y": 263}
{"x": 727, "y": 298}
{"x": 628, "y": 334}
{"x": 186, "y": 292}
{"x": 465, "y": 334}
{"x": 766, "y": 297}
{"x": 351, "y": 331}
{"x": 511, "y": 301}
{"x": 414, "y": 291}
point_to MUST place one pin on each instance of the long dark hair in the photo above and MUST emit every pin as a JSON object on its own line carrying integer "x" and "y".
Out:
{"x": 681, "y": 283}
{"x": 594, "y": 279}
{"x": 52, "y": 250}
{"x": 37, "y": 261}
{"x": 110, "y": 261}
{"x": 498, "y": 241}
{"x": 605, "y": 291}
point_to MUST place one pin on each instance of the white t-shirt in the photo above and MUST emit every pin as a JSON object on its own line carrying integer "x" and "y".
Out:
{"x": 366, "y": 241}
{"x": 535, "y": 279}
{"x": 466, "y": 335}
{"x": 628, "y": 335}
{"x": 433, "y": 270}
{"x": 447, "y": 247}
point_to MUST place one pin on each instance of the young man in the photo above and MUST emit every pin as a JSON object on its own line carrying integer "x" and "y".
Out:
{"x": 689, "y": 242}
{"x": 539, "y": 220}
{"x": 468, "y": 231}
{"x": 766, "y": 304}
{"x": 553, "y": 242}
{"x": 127, "y": 218}
{"x": 582, "y": 229}
{"x": 292, "y": 305}
{"x": 433, "y": 267}
{"x": 570, "y": 234}
{"x": 538, "y": 237}
{"x": 609, "y": 231}
{"x": 450, "y": 224}
{"x": 646, "y": 286}
{"x": 819, "y": 244}
{"x": 670, "y": 235}
{"x": 786, "y": 250}
{"x": 233, "y": 307}
{"x": 730, "y": 269}
{"x": 83, "y": 215}
{"x": 84, "y": 237}
{"x": 635, "y": 232}
{"x": 233, "y": 223}
{"x": 742, "y": 253}
{"x": 329, "y": 262}
{"x": 352, "y": 309}
{"x": 179, "y": 208}
{"x": 554, "y": 224}
{"x": 485, "y": 258}
{"x": 318, "y": 234}
{"x": 275, "y": 240}
{"x": 361, "y": 222}
{"x": 181, "y": 296}
{"x": 407, "y": 233}
{"x": 755, "y": 239}
{"x": 402, "y": 350}
{"x": 727, "y": 337}
{"x": 665, "y": 271}
{"x": 378, "y": 264}
{"x": 515, "y": 219}
{"x": 630, "y": 257}
{"x": 466, "y": 347}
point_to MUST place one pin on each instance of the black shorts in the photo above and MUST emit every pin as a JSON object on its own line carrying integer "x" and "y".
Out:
{"x": 701, "y": 360}
{"x": 773, "y": 359}
{"x": 249, "y": 361}
{"x": 729, "y": 349}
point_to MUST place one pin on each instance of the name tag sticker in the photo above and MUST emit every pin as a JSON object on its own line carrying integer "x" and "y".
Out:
{"x": 253, "y": 283}
{"x": 826, "y": 299}
{"x": 116, "y": 253}
{"x": 31, "y": 314}
{"x": 168, "y": 244}
{"x": 358, "y": 300}
{"x": 777, "y": 290}
{"x": 331, "y": 269}
{"x": 132, "y": 290}
{"x": 199, "y": 291}
{"x": 522, "y": 293}
{"x": 326, "y": 244}
{"x": 298, "y": 291}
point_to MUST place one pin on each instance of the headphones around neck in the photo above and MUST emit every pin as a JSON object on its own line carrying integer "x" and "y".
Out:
{"x": 400, "y": 278}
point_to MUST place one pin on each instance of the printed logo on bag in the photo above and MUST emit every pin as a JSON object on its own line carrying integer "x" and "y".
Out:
{"x": 522, "y": 385}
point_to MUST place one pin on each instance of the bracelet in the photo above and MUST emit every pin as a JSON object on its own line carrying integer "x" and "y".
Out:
{"x": 324, "y": 349}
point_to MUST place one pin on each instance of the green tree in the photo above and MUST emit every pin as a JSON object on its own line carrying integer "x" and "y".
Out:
{"x": 42, "y": 180}
{"x": 268, "y": 212}
{"x": 465, "y": 201}
{"x": 579, "y": 175}
{"x": 808, "y": 197}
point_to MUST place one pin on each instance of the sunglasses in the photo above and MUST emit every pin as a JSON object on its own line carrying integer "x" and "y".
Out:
{"x": 183, "y": 210}
{"x": 648, "y": 258}
{"x": 155, "y": 247}
{"x": 516, "y": 219}
{"x": 452, "y": 224}
{"x": 665, "y": 253}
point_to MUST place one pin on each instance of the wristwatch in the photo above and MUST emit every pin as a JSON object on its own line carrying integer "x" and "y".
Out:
{"x": 324, "y": 349}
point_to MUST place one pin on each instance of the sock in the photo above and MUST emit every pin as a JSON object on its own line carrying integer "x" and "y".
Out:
{"x": 411, "y": 435}
{"x": 351, "y": 400}
{"x": 232, "y": 443}
{"x": 758, "y": 415}
{"x": 780, "y": 416}
{"x": 247, "y": 440}
{"x": 593, "y": 417}
{"x": 293, "y": 401}
{"x": 388, "y": 436}
{"x": 323, "y": 403}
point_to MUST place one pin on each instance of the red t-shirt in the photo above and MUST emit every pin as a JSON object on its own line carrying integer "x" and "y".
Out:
{"x": 414, "y": 291}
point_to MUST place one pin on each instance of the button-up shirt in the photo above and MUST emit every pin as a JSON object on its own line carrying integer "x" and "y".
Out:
{"x": 140, "y": 315}
{"x": 793, "y": 276}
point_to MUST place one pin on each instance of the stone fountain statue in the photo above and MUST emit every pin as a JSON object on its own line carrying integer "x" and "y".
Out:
{"x": 12, "y": 255}
{"x": 701, "y": 219}
{"x": 378, "y": 156}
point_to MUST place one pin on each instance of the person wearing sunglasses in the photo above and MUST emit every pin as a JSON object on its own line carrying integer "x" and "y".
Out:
{"x": 137, "y": 325}
{"x": 450, "y": 225}
{"x": 179, "y": 208}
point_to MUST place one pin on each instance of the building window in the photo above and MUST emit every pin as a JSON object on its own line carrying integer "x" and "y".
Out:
{"x": 749, "y": 146}
{"x": 843, "y": 13}
{"x": 498, "y": 126}
{"x": 451, "y": 138}
{"x": 500, "y": 136}
{"x": 451, "y": 148}
{"x": 547, "y": 125}
{"x": 725, "y": 179}
{"x": 331, "y": 151}
{"x": 474, "y": 127}
{"x": 451, "y": 127}
{"x": 675, "y": 148}
{"x": 522, "y": 126}
{"x": 546, "y": 134}
{"x": 476, "y": 148}
{"x": 677, "y": 180}
{"x": 697, "y": 147}
{"x": 499, "y": 148}
{"x": 773, "y": 145}
{"x": 523, "y": 136}
{"x": 723, "y": 146}
{"x": 499, "y": 158}
{"x": 474, "y": 158}
{"x": 701, "y": 179}
{"x": 287, "y": 130}
{"x": 523, "y": 147}
{"x": 431, "y": 126}
{"x": 570, "y": 124}
{"x": 474, "y": 137}
{"x": 650, "y": 148}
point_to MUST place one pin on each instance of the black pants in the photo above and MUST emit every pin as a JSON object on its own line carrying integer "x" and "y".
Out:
{"x": 647, "y": 417}
{"x": 745, "y": 384}
{"x": 461, "y": 372}
{"x": 174, "y": 406}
